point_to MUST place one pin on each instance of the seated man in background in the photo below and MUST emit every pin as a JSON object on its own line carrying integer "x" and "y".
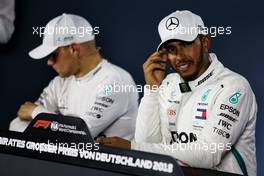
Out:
{"x": 204, "y": 114}
{"x": 84, "y": 85}
{"x": 7, "y": 17}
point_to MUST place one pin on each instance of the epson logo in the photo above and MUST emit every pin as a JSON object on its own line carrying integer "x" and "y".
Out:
{"x": 230, "y": 109}
{"x": 182, "y": 137}
{"x": 106, "y": 99}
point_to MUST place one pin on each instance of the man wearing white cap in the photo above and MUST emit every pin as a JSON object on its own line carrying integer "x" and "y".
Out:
{"x": 204, "y": 115}
{"x": 84, "y": 85}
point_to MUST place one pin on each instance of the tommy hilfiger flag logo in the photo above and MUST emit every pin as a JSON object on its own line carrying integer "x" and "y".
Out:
{"x": 201, "y": 114}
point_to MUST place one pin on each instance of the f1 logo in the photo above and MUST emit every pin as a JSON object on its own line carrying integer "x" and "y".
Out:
{"x": 42, "y": 123}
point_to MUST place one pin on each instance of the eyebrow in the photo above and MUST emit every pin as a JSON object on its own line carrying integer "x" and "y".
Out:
{"x": 181, "y": 42}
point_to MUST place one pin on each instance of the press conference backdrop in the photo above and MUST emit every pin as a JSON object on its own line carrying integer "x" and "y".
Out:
{"x": 128, "y": 35}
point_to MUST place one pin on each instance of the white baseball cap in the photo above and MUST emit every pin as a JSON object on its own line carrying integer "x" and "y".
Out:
{"x": 181, "y": 25}
{"x": 62, "y": 31}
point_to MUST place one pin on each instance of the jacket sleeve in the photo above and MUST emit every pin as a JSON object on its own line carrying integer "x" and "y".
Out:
{"x": 108, "y": 105}
{"x": 148, "y": 126}
{"x": 236, "y": 102}
{"x": 47, "y": 102}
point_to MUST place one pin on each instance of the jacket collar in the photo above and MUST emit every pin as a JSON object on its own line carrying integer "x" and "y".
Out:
{"x": 214, "y": 69}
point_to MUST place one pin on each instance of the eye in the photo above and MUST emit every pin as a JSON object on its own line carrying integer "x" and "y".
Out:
{"x": 171, "y": 49}
{"x": 53, "y": 55}
{"x": 186, "y": 44}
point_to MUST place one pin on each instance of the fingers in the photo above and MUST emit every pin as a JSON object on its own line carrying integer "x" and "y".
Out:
{"x": 160, "y": 53}
{"x": 18, "y": 113}
{"x": 160, "y": 57}
{"x": 155, "y": 66}
{"x": 21, "y": 113}
{"x": 156, "y": 57}
{"x": 21, "y": 110}
{"x": 25, "y": 110}
{"x": 106, "y": 140}
{"x": 27, "y": 103}
{"x": 114, "y": 142}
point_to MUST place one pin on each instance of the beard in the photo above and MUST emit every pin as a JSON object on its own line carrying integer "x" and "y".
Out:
{"x": 197, "y": 66}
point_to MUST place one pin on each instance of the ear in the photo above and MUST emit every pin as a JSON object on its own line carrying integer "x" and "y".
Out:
{"x": 206, "y": 42}
{"x": 75, "y": 49}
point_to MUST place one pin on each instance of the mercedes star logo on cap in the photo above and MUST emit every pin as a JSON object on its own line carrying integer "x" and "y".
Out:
{"x": 172, "y": 23}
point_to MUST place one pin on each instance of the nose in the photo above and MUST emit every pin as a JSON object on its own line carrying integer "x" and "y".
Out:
{"x": 50, "y": 62}
{"x": 177, "y": 57}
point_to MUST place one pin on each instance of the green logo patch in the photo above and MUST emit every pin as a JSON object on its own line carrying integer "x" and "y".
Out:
{"x": 234, "y": 98}
{"x": 205, "y": 95}
{"x": 108, "y": 90}
{"x": 184, "y": 87}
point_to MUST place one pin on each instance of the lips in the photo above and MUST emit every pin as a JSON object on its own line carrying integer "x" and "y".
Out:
{"x": 184, "y": 66}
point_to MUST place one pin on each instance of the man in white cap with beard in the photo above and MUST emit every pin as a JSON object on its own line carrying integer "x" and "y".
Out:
{"x": 84, "y": 87}
{"x": 204, "y": 115}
